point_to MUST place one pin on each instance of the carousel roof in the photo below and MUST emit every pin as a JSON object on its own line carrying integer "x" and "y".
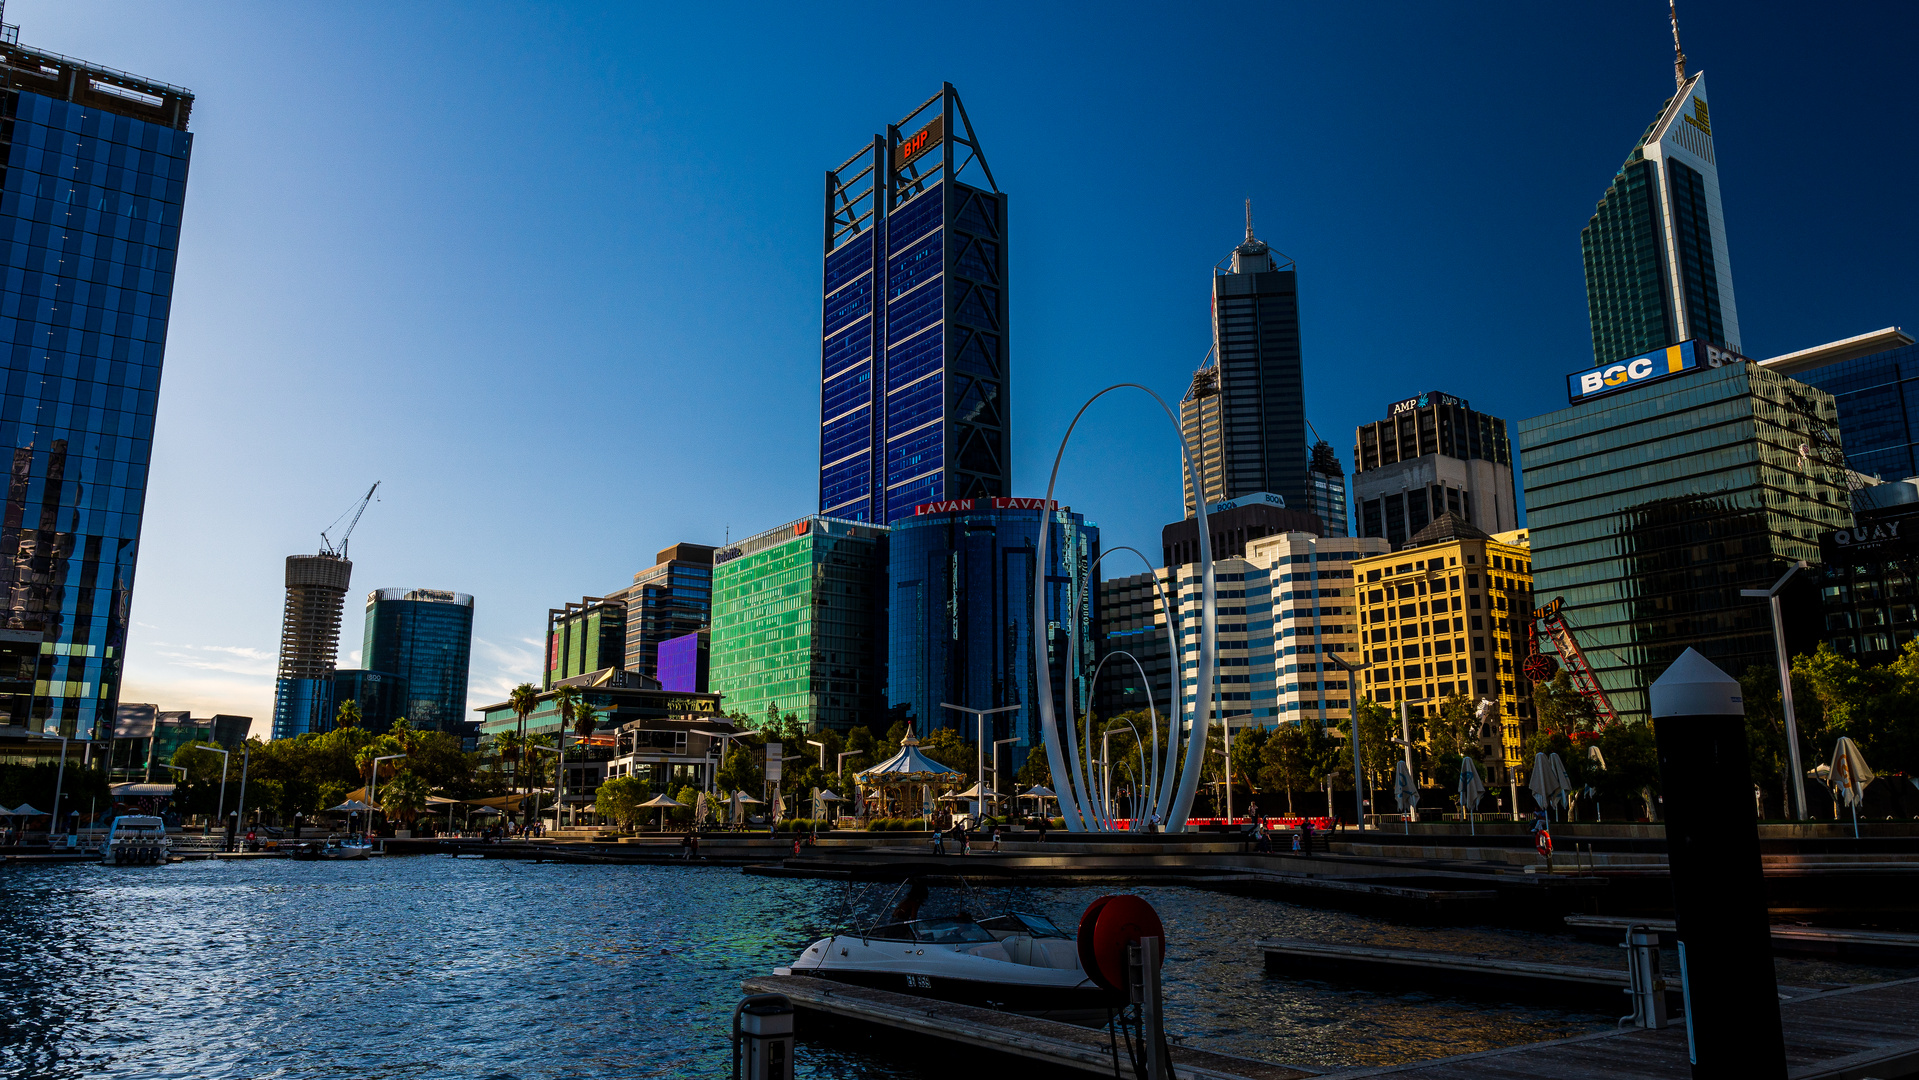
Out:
{"x": 909, "y": 766}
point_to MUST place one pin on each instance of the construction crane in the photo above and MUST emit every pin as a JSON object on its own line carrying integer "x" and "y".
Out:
{"x": 358, "y": 508}
{"x": 1540, "y": 667}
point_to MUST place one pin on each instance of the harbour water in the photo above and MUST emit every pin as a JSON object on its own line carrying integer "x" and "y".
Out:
{"x": 440, "y": 967}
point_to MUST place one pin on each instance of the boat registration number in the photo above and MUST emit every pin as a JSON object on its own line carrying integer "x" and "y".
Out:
{"x": 919, "y": 982}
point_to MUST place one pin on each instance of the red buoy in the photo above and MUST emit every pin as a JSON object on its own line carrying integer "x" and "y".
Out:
{"x": 1110, "y": 924}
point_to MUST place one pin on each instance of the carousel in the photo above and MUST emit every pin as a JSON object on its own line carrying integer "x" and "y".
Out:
{"x": 902, "y": 785}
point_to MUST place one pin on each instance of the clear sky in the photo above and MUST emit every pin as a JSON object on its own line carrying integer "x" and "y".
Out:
{"x": 551, "y": 271}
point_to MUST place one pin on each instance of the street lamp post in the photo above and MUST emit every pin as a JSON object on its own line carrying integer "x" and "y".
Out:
{"x": 1798, "y": 786}
{"x": 822, "y": 746}
{"x": 997, "y": 743}
{"x": 59, "y": 783}
{"x": 559, "y": 774}
{"x": 1226, "y": 724}
{"x": 373, "y": 786}
{"x": 980, "y": 715}
{"x": 1352, "y": 713}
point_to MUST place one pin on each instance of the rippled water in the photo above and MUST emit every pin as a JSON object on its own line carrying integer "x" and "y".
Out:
{"x": 440, "y": 967}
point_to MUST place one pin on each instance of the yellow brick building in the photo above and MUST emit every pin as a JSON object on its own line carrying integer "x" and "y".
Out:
{"x": 1446, "y": 615}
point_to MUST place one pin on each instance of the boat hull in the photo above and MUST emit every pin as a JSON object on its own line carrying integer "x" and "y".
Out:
{"x": 1070, "y": 1003}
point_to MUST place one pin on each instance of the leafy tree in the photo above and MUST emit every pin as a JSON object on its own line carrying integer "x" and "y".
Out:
{"x": 1036, "y": 772}
{"x": 1561, "y": 707}
{"x": 1448, "y": 736}
{"x": 951, "y": 749}
{"x": 1377, "y": 727}
{"x": 620, "y": 799}
{"x": 741, "y": 772}
{"x": 201, "y": 763}
{"x": 1873, "y": 706}
{"x": 1631, "y": 770}
{"x": 1296, "y": 756}
{"x": 347, "y": 715}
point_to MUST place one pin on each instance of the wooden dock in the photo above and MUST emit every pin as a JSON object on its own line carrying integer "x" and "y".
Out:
{"x": 1503, "y": 978}
{"x": 1859, "y": 1033}
{"x": 1048, "y": 1043}
{"x": 1792, "y": 940}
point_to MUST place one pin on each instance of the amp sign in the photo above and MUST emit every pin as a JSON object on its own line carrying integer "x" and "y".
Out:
{"x": 1647, "y": 367}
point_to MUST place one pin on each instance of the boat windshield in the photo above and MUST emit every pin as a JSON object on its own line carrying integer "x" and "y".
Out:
{"x": 1019, "y": 922}
{"x": 949, "y": 932}
{"x": 890, "y": 932}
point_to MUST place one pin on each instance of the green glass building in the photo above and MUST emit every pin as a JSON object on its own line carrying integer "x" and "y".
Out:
{"x": 1651, "y": 508}
{"x": 585, "y": 637}
{"x": 799, "y": 621}
{"x": 1657, "y": 270}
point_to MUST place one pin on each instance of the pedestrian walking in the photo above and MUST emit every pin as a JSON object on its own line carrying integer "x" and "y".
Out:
{"x": 1042, "y": 830}
{"x": 1305, "y": 838}
{"x": 1543, "y": 837}
{"x": 965, "y": 841}
{"x": 996, "y": 838}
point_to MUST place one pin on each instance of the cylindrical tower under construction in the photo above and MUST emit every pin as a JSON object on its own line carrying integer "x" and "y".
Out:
{"x": 309, "y": 643}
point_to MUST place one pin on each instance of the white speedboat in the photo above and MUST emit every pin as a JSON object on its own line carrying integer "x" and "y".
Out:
{"x": 136, "y": 840}
{"x": 1017, "y": 962}
{"x": 352, "y": 847}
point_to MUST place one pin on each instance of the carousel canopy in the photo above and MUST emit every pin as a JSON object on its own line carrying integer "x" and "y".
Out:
{"x": 909, "y": 766}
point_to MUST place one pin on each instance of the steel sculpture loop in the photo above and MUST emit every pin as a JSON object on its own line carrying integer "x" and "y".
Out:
{"x": 1157, "y": 798}
{"x": 1077, "y": 794}
{"x": 1105, "y": 815}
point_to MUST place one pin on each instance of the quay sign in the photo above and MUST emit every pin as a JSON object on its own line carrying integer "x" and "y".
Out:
{"x": 1885, "y": 538}
{"x": 962, "y": 506}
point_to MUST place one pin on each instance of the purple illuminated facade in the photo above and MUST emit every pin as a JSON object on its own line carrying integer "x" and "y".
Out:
{"x": 683, "y": 663}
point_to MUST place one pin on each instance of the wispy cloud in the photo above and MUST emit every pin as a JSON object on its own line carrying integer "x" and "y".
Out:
{"x": 232, "y": 659}
{"x": 497, "y": 669}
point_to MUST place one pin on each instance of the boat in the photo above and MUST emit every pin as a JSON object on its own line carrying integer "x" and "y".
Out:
{"x": 353, "y": 847}
{"x": 1015, "y": 961}
{"x": 136, "y": 840}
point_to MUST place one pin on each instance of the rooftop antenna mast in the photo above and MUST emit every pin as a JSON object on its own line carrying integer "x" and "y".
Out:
{"x": 1249, "y": 219}
{"x": 1678, "y": 54}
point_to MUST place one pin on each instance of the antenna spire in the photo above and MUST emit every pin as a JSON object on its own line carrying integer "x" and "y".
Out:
{"x": 1678, "y": 54}
{"x": 1249, "y": 219}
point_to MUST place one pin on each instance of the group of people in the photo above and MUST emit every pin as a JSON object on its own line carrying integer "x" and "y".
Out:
{"x": 963, "y": 839}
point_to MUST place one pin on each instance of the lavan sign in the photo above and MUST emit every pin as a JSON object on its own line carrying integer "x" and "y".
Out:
{"x": 964, "y": 506}
{"x": 1646, "y": 367}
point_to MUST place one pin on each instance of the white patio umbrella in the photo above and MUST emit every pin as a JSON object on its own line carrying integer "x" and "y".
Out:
{"x": 1405, "y": 790}
{"x": 26, "y": 810}
{"x": 1471, "y": 790}
{"x": 1850, "y": 777}
{"x": 778, "y": 811}
{"x": 661, "y": 802}
{"x": 1548, "y": 781}
{"x": 821, "y": 797}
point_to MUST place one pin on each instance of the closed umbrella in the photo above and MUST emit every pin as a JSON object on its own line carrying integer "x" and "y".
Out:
{"x": 1405, "y": 790}
{"x": 699, "y": 812}
{"x": 1850, "y": 777}
{"x": 1471, "y": 790}
{"x": 661, "y": 802}
{"x": 1548, "y": 781}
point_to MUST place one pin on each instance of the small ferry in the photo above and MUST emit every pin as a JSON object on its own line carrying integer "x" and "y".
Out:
{"x": 136, "y": 840}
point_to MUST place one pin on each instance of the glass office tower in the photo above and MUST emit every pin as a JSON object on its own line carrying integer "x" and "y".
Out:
{"x": 1650, "y": 509}
{"x": 90, "y": 204}
{"x": 799, "y": 622}
{"x": 961, "y": 622}
{"x": 913, "y": 384}
{"x": 670, "y": 599}
{"x": 1657, "y": 272}
{"x": 425, "y": 636}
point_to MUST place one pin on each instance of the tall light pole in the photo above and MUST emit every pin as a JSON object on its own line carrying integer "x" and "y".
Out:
{"x": 1352, "y": 714}
{"x": 1798, "y": 787}
{"x": 59, "y": 783}
{"x": 997, "y": 743}
{"x": 980, "y": 715}
{"x": 373, "y": 786}
{"x": 822, "y": 746}
{"x": 557, "y": 776}
{"x": 1226, "y": 723}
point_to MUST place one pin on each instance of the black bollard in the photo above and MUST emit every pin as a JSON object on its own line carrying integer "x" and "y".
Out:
{"x": 1718, "y": 888}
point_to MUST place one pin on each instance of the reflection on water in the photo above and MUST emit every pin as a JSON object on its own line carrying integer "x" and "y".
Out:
{"x": 435, "y": 967}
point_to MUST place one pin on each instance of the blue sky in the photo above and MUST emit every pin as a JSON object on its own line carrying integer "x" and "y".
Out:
{"x": 550, "y": 272}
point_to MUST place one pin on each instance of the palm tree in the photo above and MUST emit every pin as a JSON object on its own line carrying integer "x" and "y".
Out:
{"x": 523, "y": 700}
{"x": 348, "y": 715}
{"x": 585, "y": 716}
{"x": 566, "y": 699}
{"x": 404, "y": 797}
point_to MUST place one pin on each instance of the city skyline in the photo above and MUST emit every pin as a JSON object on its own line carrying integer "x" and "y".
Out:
{"x": 431, "y": 304}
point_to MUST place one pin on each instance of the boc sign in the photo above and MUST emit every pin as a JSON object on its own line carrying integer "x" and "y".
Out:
{"x": 1647, "y": 367}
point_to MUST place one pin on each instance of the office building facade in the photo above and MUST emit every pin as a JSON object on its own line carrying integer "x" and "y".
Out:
{"x": 670, "y": 599}
{"x": 1650, "y": 508}
{"x": 1302, "y": 620}
{"x": 1869, "y": 581}
{"x": 799, "y": 622}
{"x": 914, "y": 380}
{"x": 381, "y": 697}
{"x": 685, "y": 662}
{"x": 1133, "y": 620}
{"x": 1232, "y": 524}
{"x": 1444, "y": 617}
{"x": 425, "y": 636}
{"x": 585, "y": 637}
{"x": 1657, "y": 270}
{"x": 309, "y": 644}
{"x": 1244, "y": 417}
{"x": 1433, "y": 454}
{"x": 1326, "y": 490}
{"x": 1871, "y": 378}
{"x": 90, "y": 210}
{"x": 961, "y": 620}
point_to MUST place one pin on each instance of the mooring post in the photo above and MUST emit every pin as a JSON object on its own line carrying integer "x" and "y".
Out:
{"x": 1718, "y": 887}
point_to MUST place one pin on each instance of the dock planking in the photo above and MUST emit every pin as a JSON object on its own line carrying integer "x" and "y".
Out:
{"x": 1501, "y": 977}
{"x": 1049, "y": 1043}
{"x": 1857, "y": 1033}
{"x": 1796, "y": 940}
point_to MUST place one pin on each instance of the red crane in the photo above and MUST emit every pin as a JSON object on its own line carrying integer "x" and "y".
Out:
{"x": 1539, "y": 667}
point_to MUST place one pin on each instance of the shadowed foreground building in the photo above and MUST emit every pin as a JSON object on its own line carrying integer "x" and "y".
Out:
{"x": 424, "y": 636}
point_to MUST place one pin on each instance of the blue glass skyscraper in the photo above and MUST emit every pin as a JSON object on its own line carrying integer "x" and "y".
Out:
{"x": 913, "y": 369}
{"x": 425, "y": 636}
{"x": 96, "y": 172}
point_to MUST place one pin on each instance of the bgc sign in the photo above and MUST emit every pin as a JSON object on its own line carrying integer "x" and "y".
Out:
{"x": 1647, "y": 367}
